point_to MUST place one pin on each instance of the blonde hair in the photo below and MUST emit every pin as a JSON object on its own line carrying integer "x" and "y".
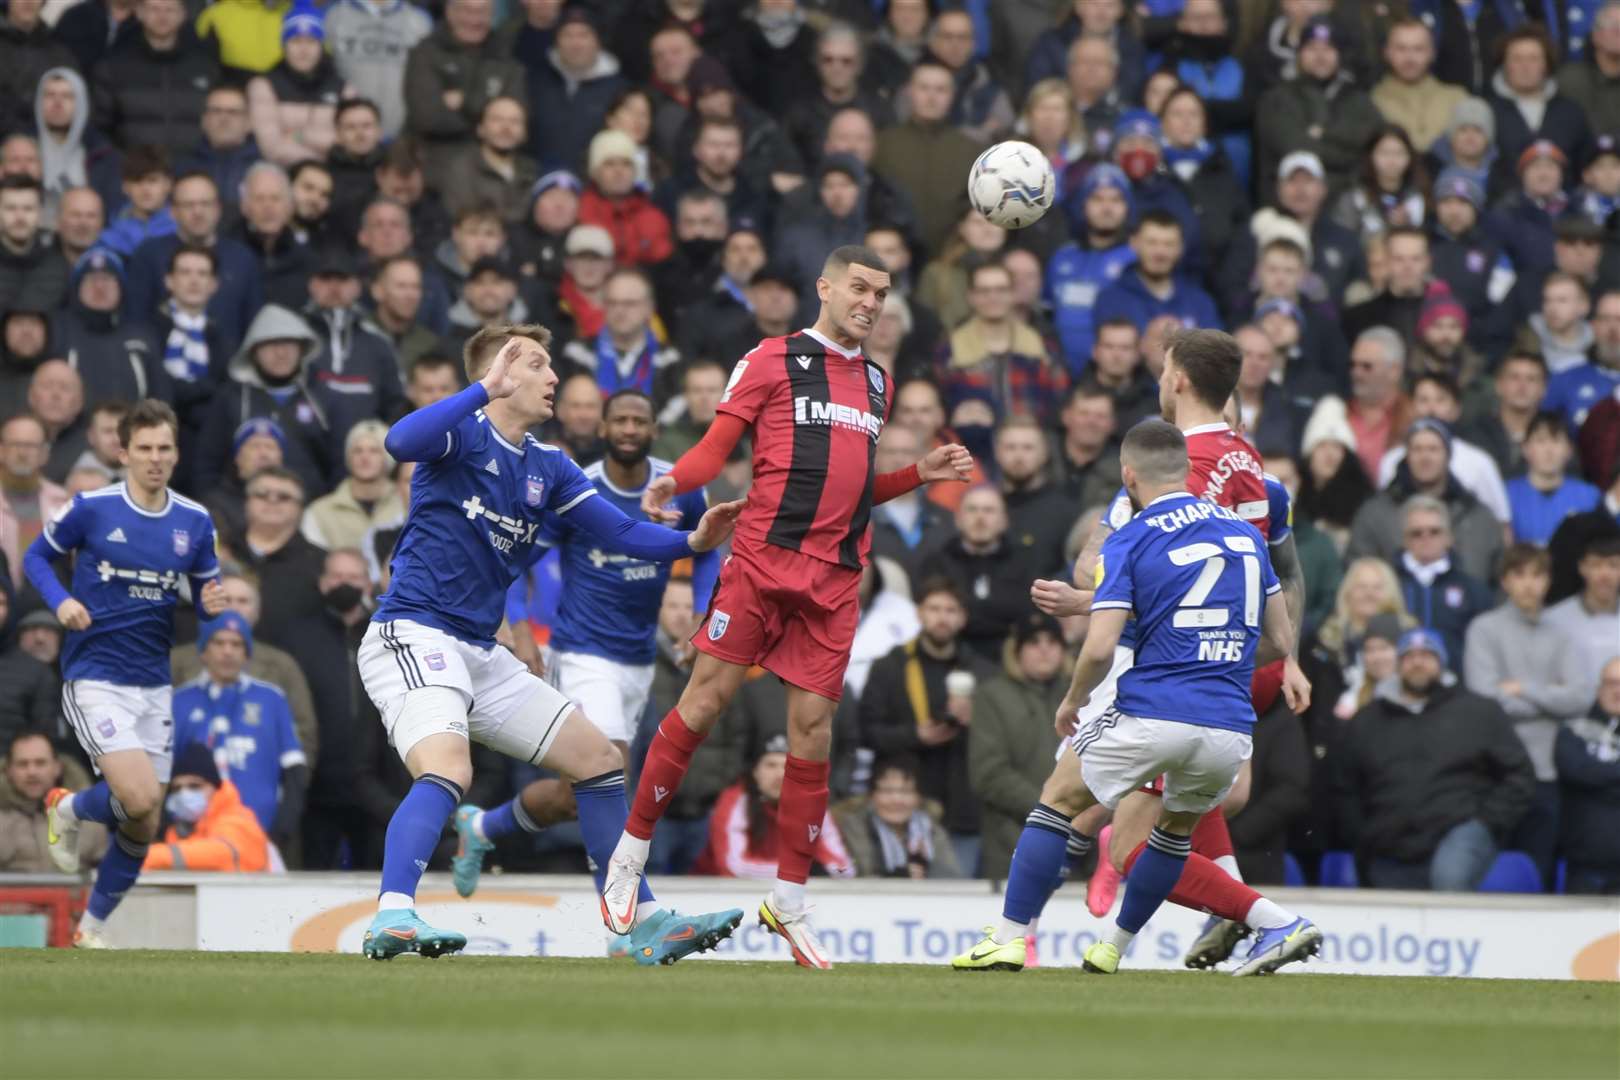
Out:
{"x": 376, "y": 431}
{"x": 1052, "y": 87}
{"x": 480, "y": 350}
{"x": 1336, "y": 629}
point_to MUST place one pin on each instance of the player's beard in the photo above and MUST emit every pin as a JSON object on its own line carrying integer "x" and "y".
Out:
{"x": 631, "y": 458}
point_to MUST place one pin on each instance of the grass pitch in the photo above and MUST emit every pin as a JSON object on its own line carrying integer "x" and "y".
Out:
{"x": 151, "y": 1014}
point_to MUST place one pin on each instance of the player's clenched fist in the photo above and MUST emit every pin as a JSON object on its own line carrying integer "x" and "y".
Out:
{"x": 952, "y": 462}
{"x": 498, "y": 381}
{"x": 213, "y": 598}
{"x": 1059, "y": 598}
{"x": 653, "y": 498}
{"x": 716, "y": 525}
{"x": 73, "y": 615}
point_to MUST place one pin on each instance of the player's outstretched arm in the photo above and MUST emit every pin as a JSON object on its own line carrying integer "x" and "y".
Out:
{"x": 37, "y": 566}
{"x": 1066, "y": 601}
{"x": 650, "y": 541}
{"x": 695, "y": 468}
{"x": 1096, "y": 657}
{"x": 424, "y": 435}
{"x": 950, "y": 463}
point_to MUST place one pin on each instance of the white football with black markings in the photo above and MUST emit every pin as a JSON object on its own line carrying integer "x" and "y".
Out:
{"x": 1012, "y": 184}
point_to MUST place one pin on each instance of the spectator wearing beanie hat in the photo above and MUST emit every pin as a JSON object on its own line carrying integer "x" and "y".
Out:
{"x": 1320, "y": 109}
{"x": 1469, "y": 143}
{"x": 294, "y": 105}
{"x": 1099, "y": 210}
{"x": 1599, "y": 194}
{"x": 639, "y": 230}
{"x": 1442, "y": 342}
{"x": 1526, "y": 219}
{"x": 209, "y": 827}
{"x": 1466, "y": 255}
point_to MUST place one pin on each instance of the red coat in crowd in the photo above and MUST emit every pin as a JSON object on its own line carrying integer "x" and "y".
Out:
{"x": 640, "y": 230}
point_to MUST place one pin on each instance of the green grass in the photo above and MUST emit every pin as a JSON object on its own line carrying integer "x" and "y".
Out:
{"x": 66, "y": 1014}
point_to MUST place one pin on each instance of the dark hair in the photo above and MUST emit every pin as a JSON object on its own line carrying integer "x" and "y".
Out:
{"x": 726, "y": 122}
{"x": 699, "y": 363}
{"x": 625, "y": 394}
{"x": 632, "y": 91}
{"x": 431, "y": 361}
{"x": 117, "y": 409}
{"x": 403, "y": 155}
{"x": 904, "y": 764}
{"x": 1088, "y": 389}
{"x": 198, "y": 250}
{"x": 26, "y": 733}
{"x": 350, "y": 104}
{"x": 197, "y": 174}
{"x": 277, "y": 472}
{"x": 1156, "y": 447}
{"x": 923, "y": 380}
{"x": 1602, "y": 547}
{"x": 1529, "y": 32}
{"x": 842, "y": 258}
{"x": 1117, "y": 322}
{"x": 22, "y": 183}
{"x": 142, "y": 161}
{"x": 519, "y": 102}
{"x": 980, "y": 267}
{"x": 1336, "y": 501}
{"x": 1550, "y": 422}
{"x": 304, "y": 166}
{"x": 147, "y": 413}
{"x": 1211, "y": 359}
{"x": 1443, "y": 379}
{"x": 1528, "y": 356}
{"x": 479, "y": 210}
{"x": 1415, "y": 176}
{"x": 1523, "y": 555}
{"x": 938, "y": 583}
{"x": 1179, "y": 90}
{"x": 1164, "y": 219}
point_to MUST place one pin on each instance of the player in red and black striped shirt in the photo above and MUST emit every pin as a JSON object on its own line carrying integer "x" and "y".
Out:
{"x": 786, "y": 599}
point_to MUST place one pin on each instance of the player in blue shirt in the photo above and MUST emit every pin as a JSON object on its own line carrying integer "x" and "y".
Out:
{"x": 138, "y": 544}
{"x": 603, "y": 636}
{"x": 247, "y": 724}
{"x": 482, "y": 495}
{"x": 1197, "y": 579}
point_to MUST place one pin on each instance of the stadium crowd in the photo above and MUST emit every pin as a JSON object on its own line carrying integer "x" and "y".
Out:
{"x": 285, "y": 219}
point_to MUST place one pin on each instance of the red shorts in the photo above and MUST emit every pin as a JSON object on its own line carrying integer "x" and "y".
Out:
{"x": 792, "y": 614}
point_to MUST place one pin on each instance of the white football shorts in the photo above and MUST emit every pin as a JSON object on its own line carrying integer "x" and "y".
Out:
{"x": 612, "y": 695}
{"x": 509, "y": 708}
{"x": 1120, "y": 753}
{"x": 108, "y": 718}
{"x": 1102, "y": 698}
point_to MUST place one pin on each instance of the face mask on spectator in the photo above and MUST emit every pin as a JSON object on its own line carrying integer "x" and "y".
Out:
{"x": 1138, "y": 164}
{"x": 188, "y": 805}
{"x": 342, "y": 598}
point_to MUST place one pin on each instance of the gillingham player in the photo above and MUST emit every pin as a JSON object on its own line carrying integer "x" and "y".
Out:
{"x": 1200, "y": 371}
{"x": 603, "y": 639}
{"x": 787, "y": 596}
{"x": 1198, "y": 580}
{"x": 482, "y": 492}
{"x": 136, "y": 542}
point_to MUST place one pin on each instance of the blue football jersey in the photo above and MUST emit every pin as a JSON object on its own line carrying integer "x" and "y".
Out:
{"x": 609, "y": 602}
{"x": 249, "y": 727}
{"x": 473, "y": 526}
{"x": 1196, "y": 576}
{"x": 127, "y": 574}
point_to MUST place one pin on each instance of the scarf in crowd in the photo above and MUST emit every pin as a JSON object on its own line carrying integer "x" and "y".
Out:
{"x": 1185, "y": 161}
{"x": 611, "y": 378}
{"x": 898, "y": 856}
{"x": 587, "y": 314}
{"x": 185, "y": 353}
{"x": 736, "y": 292}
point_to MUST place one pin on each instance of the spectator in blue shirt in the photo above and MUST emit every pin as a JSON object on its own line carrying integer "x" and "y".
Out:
{"x": 1079, "y": 271}
{"x": 1573, "y": 391}
{"x": 1153, "y": 286}
{"x": 248, "y": 726}
{"x": 1542, "y": 498}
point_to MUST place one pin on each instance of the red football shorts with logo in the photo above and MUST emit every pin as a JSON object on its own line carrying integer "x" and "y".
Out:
{"x": 792, "y": 614}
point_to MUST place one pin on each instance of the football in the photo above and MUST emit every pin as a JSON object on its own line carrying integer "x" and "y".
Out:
{"x": 1012, "y": 184}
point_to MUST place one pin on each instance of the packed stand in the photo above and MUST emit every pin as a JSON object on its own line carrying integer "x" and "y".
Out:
{"x": 285, "y": 219}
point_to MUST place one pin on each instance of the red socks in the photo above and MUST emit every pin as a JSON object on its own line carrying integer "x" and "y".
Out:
{"x": 1210, "y": 837}
{"x": 799, "y": 816}
{"x": 1206, "y": 887}
{"x": 668, "y": 758}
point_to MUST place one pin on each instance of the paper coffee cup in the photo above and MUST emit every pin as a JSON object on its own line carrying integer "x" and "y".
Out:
{"x": 960, "y": 684}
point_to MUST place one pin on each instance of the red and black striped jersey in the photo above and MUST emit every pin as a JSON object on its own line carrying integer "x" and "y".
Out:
{"x": 816, "y": 413}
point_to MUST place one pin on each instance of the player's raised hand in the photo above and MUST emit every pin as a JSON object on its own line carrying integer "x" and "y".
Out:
{"x": 213, "y": 598}
{"x": 73, "y": 615}
{"x": 1296, "y": 687}
{"x": 951, "y": 462}
{"x": 654, "y": 497}
{"x": 1059, "y": 598}
{"x": 498, "y": 381}
{"x": 716, "y": 526}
